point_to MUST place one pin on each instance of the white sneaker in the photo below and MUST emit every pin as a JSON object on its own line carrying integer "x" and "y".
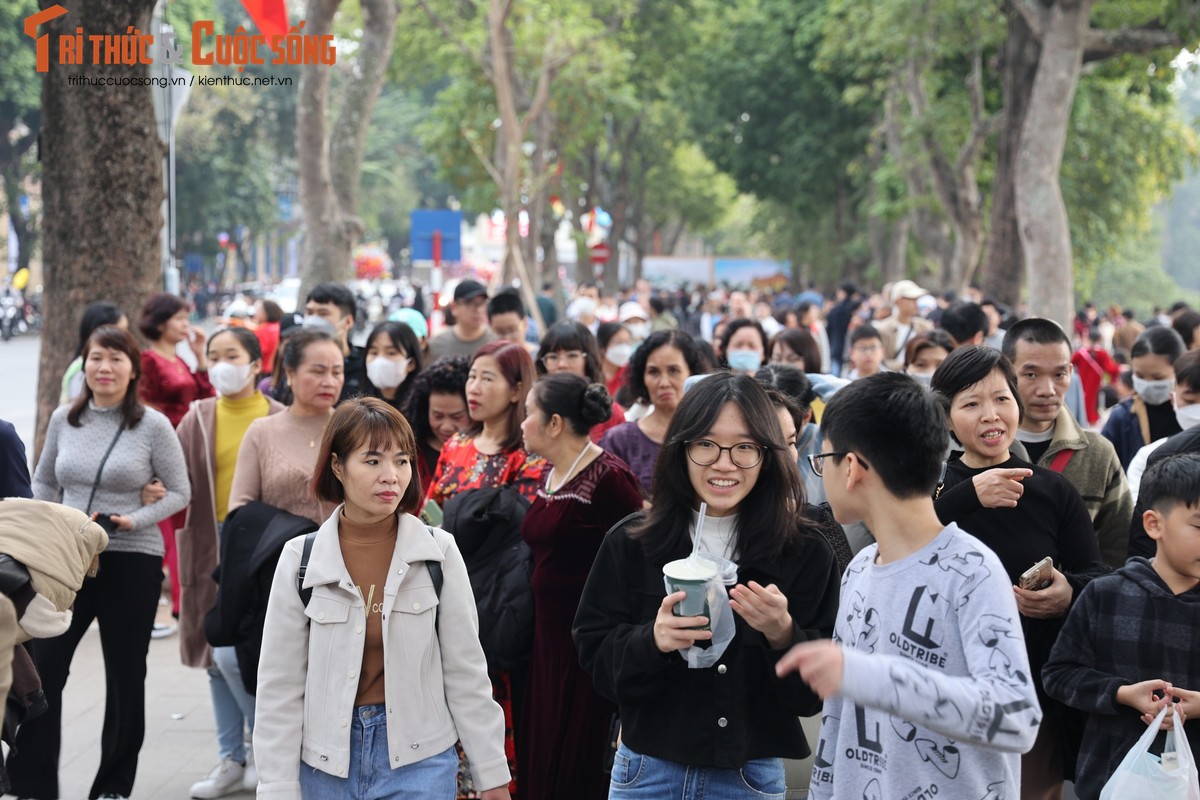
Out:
{"x": 250, "y": 775}
{"x": 162, "y": 630}
{"x": 225, "y": 778}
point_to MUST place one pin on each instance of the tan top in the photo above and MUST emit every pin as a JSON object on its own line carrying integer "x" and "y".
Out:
{"x": 367, "y": 551}
{"x": 276, "y": 462}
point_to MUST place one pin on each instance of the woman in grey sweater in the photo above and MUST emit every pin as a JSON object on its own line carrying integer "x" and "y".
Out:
{"x": 99, "y": 453}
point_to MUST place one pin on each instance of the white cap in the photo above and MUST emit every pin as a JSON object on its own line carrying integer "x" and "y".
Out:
{"x": 632, "y": 310}
{"x": 906, "y": 290}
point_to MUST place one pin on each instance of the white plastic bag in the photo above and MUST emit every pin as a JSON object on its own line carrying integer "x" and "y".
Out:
{"x": 1141, "y": 776}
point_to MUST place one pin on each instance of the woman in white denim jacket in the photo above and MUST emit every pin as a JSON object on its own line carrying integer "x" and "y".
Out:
{"x": 367, "y": 688}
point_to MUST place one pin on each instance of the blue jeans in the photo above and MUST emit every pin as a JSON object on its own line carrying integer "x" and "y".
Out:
{"x": 638, "y": 777}
{"x": 370, "y": 776}
{"x": 233, "y": 707}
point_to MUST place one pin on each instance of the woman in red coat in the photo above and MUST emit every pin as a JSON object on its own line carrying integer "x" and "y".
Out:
{"x": 169, "y": 385}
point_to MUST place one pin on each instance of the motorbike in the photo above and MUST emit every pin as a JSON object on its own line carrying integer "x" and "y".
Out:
{"x": 11, "y": 317}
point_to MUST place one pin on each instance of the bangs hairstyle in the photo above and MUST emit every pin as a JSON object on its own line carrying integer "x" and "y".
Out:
{"x": 403, "y": 338}
{"x": 770, "y": 518}
{"x": 966, "y": 367}
{"x": 1171, "y": 481}
{"x": 800, "y": 342}
{"x": 571, "y": 335}
{"x": 693, "y": 356}
{"x": 516, "y": 367}
{"x": 110, "y": 337}
{"x": 925, "y": 341}
{"x": 735, "y": 326}
{"x": 895, "y": 426}
{"x": 369, "y": 421}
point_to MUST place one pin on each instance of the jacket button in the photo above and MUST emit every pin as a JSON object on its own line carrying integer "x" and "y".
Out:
{"x": 358, "y": 629}
{"x": 722, "y": 669}
{"x": 351, "y": 673}
{"x": 416, "y": 606}
{"x": 722, "y": 722}
{"x": 414, "y": 745}
{"x": 321, "y": 615}
{"x": 343, "y": 723}
{"x": 340, "y": 770}
{"x": 324, "y": 758}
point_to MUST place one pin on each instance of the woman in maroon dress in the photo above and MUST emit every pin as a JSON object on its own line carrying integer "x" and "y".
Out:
{"x": 169, "y": 385}
{"x": 585, "y": 493}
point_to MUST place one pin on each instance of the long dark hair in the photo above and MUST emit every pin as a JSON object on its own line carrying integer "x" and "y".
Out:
{"x": 111, "y": 337}
{"x": 769, "y": 518}
{"x": 516, "y": 368}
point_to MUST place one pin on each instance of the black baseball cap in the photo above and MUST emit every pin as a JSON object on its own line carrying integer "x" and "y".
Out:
{"x": 469, "y": 289}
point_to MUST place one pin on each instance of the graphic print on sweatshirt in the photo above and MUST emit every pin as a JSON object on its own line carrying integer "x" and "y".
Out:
{"x": 936, "y": 679}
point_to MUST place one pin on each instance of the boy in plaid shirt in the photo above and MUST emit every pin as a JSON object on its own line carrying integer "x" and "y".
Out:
{"x": 1129, "y": 645}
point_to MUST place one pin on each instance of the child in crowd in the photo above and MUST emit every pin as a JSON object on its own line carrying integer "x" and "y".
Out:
{"x": 1129, "y": 644}
{"x": 927, "y": 686}
{"x": 866, "y": 352}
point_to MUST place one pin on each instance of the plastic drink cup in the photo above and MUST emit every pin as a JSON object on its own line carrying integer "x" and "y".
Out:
{"x": 690, "y": 575}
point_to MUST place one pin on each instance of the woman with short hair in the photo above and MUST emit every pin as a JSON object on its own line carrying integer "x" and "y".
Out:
{"x": 370, "y": 676}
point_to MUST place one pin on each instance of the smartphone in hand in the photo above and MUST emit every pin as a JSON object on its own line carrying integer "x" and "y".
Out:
{"x": 106, "y": 521}
{"x": 1039, "y": 576}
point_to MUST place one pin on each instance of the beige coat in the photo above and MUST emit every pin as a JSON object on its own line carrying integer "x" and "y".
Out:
{"x": 435, "y": 674}
{"x": 893, "y": 348}
{"x": 199, "y": 546}
{"x": 59, "y": 546}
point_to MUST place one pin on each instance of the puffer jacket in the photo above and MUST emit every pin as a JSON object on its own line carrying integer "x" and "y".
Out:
{"x": 59, "y": 546}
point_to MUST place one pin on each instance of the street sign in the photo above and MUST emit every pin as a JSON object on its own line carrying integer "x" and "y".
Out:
{"x": 436, "y": 235}
{"x": 600, "y": 253}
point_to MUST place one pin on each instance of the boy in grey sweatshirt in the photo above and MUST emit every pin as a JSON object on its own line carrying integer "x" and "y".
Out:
{"x": 926, "y": 682}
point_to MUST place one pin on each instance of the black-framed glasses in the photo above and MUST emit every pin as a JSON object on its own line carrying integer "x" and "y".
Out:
{"x": 705, "y": 453}
{"x": 817, "y": 461}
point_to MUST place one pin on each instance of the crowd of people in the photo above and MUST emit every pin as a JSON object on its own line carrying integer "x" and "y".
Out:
{"x": 438, "y": 564}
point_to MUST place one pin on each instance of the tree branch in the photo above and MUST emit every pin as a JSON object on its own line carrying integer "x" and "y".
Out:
{"x": 455, "y": 39}
{"x": 482, "y": 156}
{"x": 1100, "y": 44}
{"x": 1034, "y": 14}
{"x": 982, "y": 124}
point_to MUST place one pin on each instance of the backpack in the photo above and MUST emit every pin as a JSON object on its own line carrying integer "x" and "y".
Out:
{"x": 434, "y": 567}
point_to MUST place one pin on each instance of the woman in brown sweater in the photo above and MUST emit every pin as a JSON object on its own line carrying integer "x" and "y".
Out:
{"x": 278, "y": 455}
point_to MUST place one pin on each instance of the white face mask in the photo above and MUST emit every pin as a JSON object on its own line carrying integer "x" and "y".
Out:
{"x": 619, "y": 354}
{"x": 229, "y": 378}
{"x": 923, "y": 378}
{"x": 638, "y": 330}
{"x": 1153, "y": 393}
{"x": 386, "y": 373}
{"x": 1188, "y": 416}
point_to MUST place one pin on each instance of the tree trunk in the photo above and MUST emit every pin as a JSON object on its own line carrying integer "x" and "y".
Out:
{"x": 326, "y": 254}
{"x": 102, "y": 190}
{"x": 1003, "y": 265}
{"x": 1041, "y": 213}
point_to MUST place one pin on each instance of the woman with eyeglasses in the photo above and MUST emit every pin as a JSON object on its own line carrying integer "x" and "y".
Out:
{"x": 659, "y": 368}
{"x": 569, "y": 348}
{"x": 1024, "y": 513}
{"x": 726, "y": 726}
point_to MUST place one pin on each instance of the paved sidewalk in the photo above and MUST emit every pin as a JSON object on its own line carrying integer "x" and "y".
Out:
{"x": 180, "y": 746}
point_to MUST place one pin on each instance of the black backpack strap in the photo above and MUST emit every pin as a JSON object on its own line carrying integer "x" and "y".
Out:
{"x": 435, "y": 572}
{"x": 305, "y": 594}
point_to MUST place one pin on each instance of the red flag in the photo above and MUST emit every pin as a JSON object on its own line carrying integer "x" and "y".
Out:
{"x": 269, "y": 15}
